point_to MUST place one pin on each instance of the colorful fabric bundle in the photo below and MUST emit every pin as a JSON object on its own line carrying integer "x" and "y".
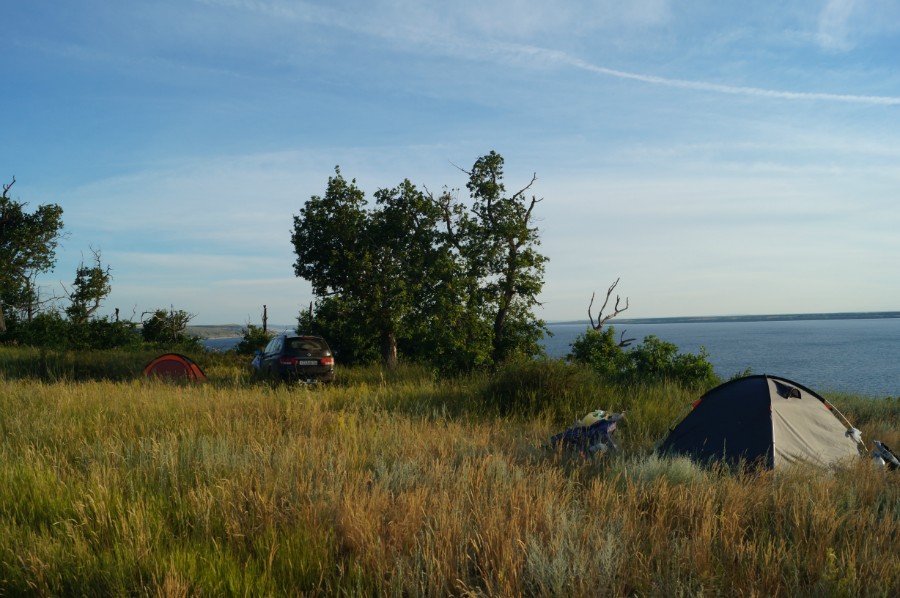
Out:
{"x": 590, "y": 435}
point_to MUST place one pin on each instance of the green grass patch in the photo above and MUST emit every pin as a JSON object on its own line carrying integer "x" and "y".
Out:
{"x": 405, "y": 483}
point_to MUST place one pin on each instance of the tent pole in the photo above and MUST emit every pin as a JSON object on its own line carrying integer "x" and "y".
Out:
{"x": 846, "y": 421}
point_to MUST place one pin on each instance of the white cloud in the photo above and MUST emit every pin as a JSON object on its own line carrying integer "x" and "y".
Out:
{"x": 845, "y": 26}
{"x": 510, "y": 19}
{"x": 193, "y": 264}
{"x": 502, "y": 32}
{"x": 833, "y": 32}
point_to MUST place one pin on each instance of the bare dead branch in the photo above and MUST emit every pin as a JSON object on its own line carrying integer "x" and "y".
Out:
{"x": 527, "y": 187}
{"x": 601, "y": 319}
{"x": 534, "y": 201}
{"x": 461, "y": 169}
{"x": 6, "y": 187}
{"x": 625, "y": 342}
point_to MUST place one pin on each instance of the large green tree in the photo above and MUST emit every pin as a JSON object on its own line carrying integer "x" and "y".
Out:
{"x": 329, "y": 238}
{"x": 498, "y": 241}
{"x": 27, "y": 248}
{"x": 370, "y": 269}
{"x": 434, "y": 278}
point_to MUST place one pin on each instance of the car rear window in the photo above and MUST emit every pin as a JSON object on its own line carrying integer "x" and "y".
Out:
{"x": 306, "y": 345}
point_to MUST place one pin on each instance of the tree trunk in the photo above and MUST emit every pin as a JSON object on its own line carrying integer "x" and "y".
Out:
{"x": 498, "y": 353}
{"x": 2, "y": 320}
{"x": 389, "y": 349}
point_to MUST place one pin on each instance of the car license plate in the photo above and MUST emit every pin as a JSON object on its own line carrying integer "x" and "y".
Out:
{"x": 307, "y": 362}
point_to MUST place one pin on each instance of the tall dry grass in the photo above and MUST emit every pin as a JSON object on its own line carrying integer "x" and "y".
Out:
{"x": 404, "y": 487}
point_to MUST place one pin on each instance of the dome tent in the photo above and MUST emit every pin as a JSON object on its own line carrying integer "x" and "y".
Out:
{"x": 175, "y": 366}
{"x": 764, "y": 420}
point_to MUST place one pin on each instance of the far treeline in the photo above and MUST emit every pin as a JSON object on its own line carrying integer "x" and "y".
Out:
{"x": 66, "y": 320}
{"x": 410, "y": 276}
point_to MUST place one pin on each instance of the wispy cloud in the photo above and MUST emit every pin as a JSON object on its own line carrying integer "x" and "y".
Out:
{"x": 296, "y": 11}
{"x": 833, "y": 24}
{"x": 209, "y": 263}
{"x": 474, "y": 32}
{"x": 555, "y": 56}
{"x": 499, "y": 18}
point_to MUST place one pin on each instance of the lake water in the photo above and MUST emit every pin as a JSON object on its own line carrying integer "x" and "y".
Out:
{"x": 859, "y": 356}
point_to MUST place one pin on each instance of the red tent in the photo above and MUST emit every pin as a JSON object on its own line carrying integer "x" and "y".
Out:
{"x": 175, "y": 366}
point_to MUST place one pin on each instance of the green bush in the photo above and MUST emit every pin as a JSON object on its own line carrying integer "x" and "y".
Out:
{"x": 103, "y": 333}
{"x": 599, "y": 350}
{"x": 47, "y": 329}
{"x": 653, "y": 360}
{"x": 253, "y": 338}
{"x": 51, "y": 330}
{"x": 168, "y": 328}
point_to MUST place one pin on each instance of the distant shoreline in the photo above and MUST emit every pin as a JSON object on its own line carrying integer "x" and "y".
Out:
{"x": 216, "y": 331}
{"x": 875, "y": 315}
{"x": 220, "y": 331}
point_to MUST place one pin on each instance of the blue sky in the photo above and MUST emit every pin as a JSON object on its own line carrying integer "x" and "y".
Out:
{"x": 721, "y": 157}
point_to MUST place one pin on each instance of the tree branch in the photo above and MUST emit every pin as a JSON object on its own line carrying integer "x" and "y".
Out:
{"x": 601, "y": 319}
{"x": 6, "y": 187}
{"x": 527, "y": 187}
{"x": 624, "y": 342}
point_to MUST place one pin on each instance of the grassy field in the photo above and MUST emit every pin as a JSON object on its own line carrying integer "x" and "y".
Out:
{"x": 409, "y": 484}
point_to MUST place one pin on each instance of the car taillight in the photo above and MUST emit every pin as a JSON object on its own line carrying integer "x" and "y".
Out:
{"x": 288, "y": 361}
{"x": 326, "y": 361}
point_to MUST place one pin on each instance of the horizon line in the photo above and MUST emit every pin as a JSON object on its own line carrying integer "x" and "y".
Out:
{"x": 845, "y": 315}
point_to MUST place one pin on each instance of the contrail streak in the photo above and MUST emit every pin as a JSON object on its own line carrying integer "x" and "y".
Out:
{"x": 706, "y": 86}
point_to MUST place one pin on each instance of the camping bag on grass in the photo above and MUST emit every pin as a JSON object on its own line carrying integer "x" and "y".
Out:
{"x": 592, "y": 434}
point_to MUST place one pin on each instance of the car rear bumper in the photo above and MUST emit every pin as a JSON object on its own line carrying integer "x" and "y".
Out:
{"x": 309, "y": 375}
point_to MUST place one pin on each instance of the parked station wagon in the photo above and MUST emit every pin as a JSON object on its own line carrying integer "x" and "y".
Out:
{"x": 296, "y": 359}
